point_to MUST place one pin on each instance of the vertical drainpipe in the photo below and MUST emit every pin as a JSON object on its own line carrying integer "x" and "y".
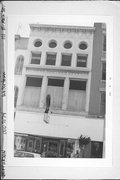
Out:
{"x": 95, "y": 96}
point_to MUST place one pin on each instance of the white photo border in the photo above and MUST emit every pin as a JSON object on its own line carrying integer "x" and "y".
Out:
{"x": 58, "y": 162}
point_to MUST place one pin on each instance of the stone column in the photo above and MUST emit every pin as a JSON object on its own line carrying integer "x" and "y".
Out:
{"x": 74, "y": 60}
{"x": 43, "y": 91}
{"x": 65, "y": 93}
{"x": 58, "y": 59}
{"x": 43, "y": 59}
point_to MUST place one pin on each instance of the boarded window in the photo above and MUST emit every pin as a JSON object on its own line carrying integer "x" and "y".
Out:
{"x": 19, "y": 65}
{"x": 77, "y": 96}
{"x": 51, "y": 59}
{"x": 82, "y": 60}
{"x": 55, "y": 89}
{"x": 35, "y": 58}
{"x": 32, "y": 92}
{"x": 66, "y": 60}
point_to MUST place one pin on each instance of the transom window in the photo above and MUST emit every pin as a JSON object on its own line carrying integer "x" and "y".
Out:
{"x": 50, "y": 59}
{"x": 82, "y": 60}
{"x": 56, "y": 82}
{"x": 83, "y": 45}
{"x": 33, "y": 81}
{"x": 66, "y": 59}
{"x": 36, "y": 56}
{"x": 52, "y": 44}
{"x": 38, "y": 43}
{"x": 67, "y": 45}
{"x": 77, "y": 85}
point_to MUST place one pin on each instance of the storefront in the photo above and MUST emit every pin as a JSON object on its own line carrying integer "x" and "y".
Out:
{"x": 58, "y": 137}
{"x": 55, "y": 147}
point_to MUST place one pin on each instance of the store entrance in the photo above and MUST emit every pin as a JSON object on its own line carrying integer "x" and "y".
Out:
{"x": 50, "y": 148}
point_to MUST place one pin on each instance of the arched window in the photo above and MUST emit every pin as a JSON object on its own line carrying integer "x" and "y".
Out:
{"x": 15, "y": 95}
{"x": 19, "y": 65}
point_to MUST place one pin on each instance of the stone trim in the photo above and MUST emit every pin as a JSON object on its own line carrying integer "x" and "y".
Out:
{"x": 61, "y": 28}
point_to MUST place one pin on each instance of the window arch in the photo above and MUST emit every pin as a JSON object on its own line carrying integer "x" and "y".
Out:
{"x": 19, "y": 65}
{"x": 16, "y": 90}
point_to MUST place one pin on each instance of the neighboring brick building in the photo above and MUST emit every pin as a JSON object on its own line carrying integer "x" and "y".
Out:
{"x": 68, "y": 63}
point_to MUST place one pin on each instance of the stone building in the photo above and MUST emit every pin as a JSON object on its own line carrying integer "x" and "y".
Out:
{"x": 68, "y": 63}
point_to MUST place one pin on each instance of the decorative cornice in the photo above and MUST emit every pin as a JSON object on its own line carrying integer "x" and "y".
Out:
{"x": 61, "y": 28}
{"x": 59, "y": 69}
{"x": 57, "y": 72}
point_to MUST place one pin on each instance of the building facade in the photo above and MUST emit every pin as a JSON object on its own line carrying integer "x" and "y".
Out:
{"x": 67, "y": 63}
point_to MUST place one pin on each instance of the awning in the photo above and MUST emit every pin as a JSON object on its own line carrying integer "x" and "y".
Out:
{"x": 61, "y": 126}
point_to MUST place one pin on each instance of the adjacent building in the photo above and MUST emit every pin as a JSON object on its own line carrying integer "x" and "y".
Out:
{"x": 69, "y": 64}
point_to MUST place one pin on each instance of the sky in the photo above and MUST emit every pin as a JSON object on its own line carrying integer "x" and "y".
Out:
{"x": 22, "y": 22}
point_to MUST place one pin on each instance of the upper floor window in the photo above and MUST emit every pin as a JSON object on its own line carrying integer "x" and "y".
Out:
{"x": 51, "y": 59}
{"x": 35, "y": 59}
{"x": 66, "y": 59}
{"x": 82, "y": 60}
{"x": 104, "y": 42}
{"x": 104, "y": 71}
{"x": 67, "y": 45}
{"x": 15, "y": 95}
{"x": 83, "y": 45}
{"x": 38, "y": 43}
{"x": 19, "y": 65}
{"x": 103, "y": 103}
{"x": 52, "y": 44}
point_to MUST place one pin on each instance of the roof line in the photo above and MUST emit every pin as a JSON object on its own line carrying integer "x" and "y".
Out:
{"x": 61, "y": 26}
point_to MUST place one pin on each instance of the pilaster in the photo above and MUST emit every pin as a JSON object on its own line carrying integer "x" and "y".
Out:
{"x": 43, "y": 91}
{"x": 65, "y": 93}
